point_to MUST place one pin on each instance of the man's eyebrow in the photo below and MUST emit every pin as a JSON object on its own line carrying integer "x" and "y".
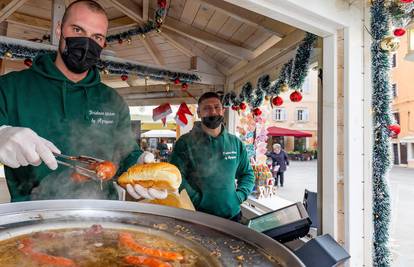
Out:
{"x": 99, "y": 34}
{"x": 75, "y": 25}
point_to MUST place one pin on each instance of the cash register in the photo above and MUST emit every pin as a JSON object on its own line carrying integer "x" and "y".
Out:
{"x": 283, "y": 225}
{"x": 292, "y": 222}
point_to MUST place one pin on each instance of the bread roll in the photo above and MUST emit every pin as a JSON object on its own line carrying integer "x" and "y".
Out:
{"x": 161, "y": 175}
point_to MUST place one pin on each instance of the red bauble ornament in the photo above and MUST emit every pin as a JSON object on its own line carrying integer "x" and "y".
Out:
{"x": 124, "y": 77}
{"x": 398, "y": 32}
{"x": 257, "y": 112}
{"x": 162, "y": 3}
{"x": 28, "y": 62}
{"x": 394, "y": 128}
{"x": 120, "y": 41}
{"x": 406, "y": 1}
{"x": 235, "y": 108}
{"x": 295, "y": 96}
{"x": 177, "y": 81}
{"x": 277, "y": 101}
{"x": 184, "y": 86}
{"x": 242, "y": 106}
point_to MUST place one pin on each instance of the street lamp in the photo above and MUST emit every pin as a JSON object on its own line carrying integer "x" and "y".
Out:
{"x": 410, "y": 50}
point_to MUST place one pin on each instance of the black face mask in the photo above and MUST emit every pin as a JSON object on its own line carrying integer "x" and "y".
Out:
{"x": 80, "y": 53}
{"x": 212, "y": 122}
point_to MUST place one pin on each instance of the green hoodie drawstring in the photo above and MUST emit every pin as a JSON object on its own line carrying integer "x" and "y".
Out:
{"x": 64, "y": 91}
{"x": 86, "y": 111}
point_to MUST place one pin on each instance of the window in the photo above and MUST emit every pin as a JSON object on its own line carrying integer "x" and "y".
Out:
{"x": 279, "y": 114}
{"x": 394, "y": 60}
{"x": 302, "y": 114}
{"x": 306, "y": 86}
{"x": 397, "y": 117}
{"x": 394, "y": 90}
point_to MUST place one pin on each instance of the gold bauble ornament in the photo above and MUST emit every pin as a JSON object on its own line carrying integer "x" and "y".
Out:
{"x": 167, "y": 87}
{"x": 143, "y": 36}
{"x": 158, "y": 30}
{"x": 129, "y": 40}
{"x": 159, "y": 21}
{"x": 105, "y": 71}
{"x": 284, "y": 88}
{"x": 267, "y": 98}
{"x": 8, "y": 54}
{"x": 390, "y": 44}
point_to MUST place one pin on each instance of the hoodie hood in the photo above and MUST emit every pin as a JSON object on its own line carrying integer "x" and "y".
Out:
{"x": 45, "y": 66}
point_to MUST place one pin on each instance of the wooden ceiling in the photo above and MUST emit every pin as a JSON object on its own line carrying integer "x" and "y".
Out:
{"x": 212, "y": 37}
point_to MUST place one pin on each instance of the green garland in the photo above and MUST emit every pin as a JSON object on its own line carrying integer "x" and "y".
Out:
{"x": 293, "y": 73}
{"x": 150, "y": 25}
{"x": 382, "y": 13}
{"x": 18, "y": 49}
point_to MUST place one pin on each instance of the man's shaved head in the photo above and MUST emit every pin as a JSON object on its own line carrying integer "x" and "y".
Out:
{"x": 92, "y": 5}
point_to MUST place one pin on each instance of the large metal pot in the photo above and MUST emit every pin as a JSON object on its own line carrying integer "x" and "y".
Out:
{"x": 219, "y": 240}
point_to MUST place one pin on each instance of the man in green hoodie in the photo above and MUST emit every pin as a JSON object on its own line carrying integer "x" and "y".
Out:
{"x": 210, "y": 159}
{"x": 60, "y": 102}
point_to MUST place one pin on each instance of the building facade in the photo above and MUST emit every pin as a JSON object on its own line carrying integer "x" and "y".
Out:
{"x": 403, "y": 106}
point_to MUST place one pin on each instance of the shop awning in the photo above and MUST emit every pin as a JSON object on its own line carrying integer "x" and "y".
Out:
{"x": 160, "y": 133}
{"x": 279, "y": 131}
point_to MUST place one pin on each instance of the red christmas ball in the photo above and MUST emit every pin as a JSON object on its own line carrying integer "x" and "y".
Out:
{"x": 124, "y": 77}
{"x": 235, "y": 108}
{"x": 120, "y": 41}
{"x": 277, "y": 101}
{"x": 257, "y": 112}
{"x": 406, "y": 1}
{"x": 242, "y": 106}
{"x": 296, "y": 96}
{"x": 395, "y": 129}
{"x": 184, "y": 86}
{"x": 398, "y": 32}
{"x": 162, "y": 3}
{"x": 177, "y": 81}
{"x": 28, "y": 62}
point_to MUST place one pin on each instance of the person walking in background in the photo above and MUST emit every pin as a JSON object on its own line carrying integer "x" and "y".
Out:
{"x": 280, "y": 161}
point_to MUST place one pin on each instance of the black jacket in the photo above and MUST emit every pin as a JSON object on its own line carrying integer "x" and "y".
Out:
{"x": 280, "y": 159}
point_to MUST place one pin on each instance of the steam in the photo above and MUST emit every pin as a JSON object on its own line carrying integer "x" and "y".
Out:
{"x": 94, "y": 134}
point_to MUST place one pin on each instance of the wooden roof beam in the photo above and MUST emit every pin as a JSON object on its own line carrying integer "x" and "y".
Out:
{"x": 152, "y": 50}
{"x": 195, "y": 51}
{"x": 249, "y": 17}
{"x": 208, "y": 39}
{"x": 145, "y": 7}
{"x": 9, "y": 7}
{"x": 129, "y": 8}
{"x": 287, "y": 44}
{"x": 193, "y": 33}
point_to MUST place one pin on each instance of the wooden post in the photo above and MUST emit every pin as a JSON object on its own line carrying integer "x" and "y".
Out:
{"x": 58, "y": 9}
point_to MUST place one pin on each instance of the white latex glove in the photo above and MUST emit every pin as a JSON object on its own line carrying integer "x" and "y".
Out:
{"x": 137, "y": 191}
{"x": 146, "y": 157}
{"x": 21, "y": 147}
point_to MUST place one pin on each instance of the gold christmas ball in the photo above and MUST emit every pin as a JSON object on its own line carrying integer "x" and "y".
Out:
{"x": 390, "y": 44}
{"x": 159, "y": 21}
{"x": 167, "y": 87}
{"x": 129, "y": 41}
{"x": 158, "y": 30}
{"x": 143, "y": 36}
{"x": 267, "y": 98}
{"x": 8, "y": 54}
{"x": 105, "y": 71}
{"x": 284, "y": 88}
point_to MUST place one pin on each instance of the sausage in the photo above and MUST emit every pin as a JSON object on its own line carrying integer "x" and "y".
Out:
{"x": 147, "y": 261}
{"x": 127, "y": 240}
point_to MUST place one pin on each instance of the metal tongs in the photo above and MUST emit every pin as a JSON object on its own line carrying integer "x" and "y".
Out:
{"x": 80, "y": 164}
